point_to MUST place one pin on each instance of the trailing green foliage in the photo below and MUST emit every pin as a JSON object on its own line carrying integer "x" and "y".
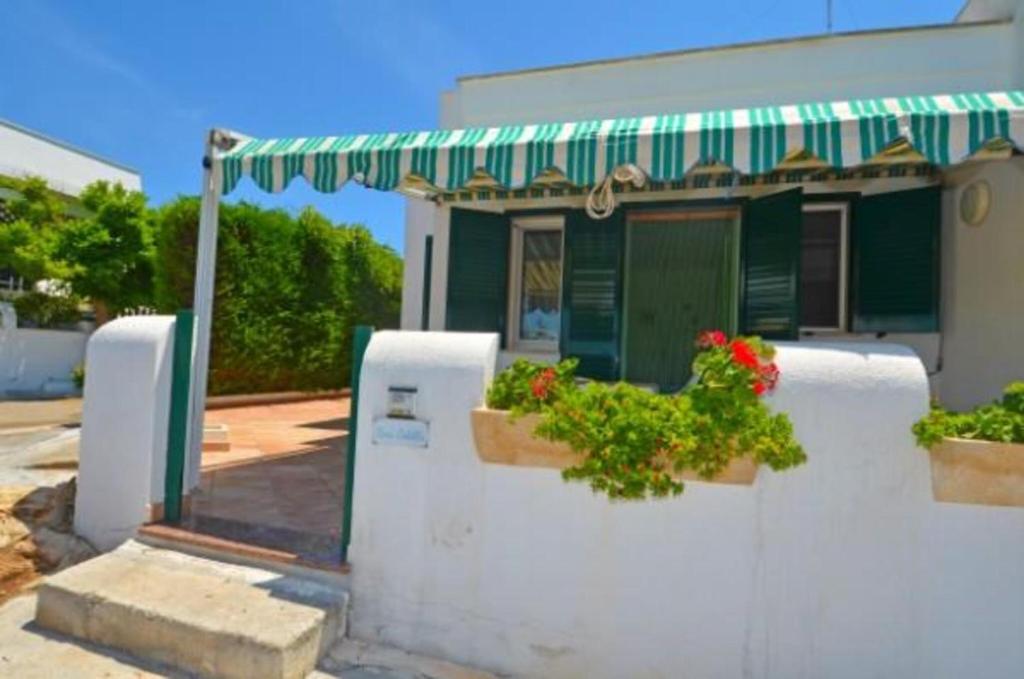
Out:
{"x": 634, "y": 439}
{"x": 288, "y": 292}
{"x": 1001, "y": 421}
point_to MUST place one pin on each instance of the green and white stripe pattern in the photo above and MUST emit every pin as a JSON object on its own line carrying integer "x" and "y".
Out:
{"x": 945, "y": 129}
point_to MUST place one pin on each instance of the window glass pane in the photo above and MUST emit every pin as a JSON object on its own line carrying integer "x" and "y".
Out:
{"x": 820, "y": 269}
{"x": 541, "y": 302}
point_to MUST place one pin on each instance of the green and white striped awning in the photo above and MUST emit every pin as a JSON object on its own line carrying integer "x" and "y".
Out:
{"x": 940, "y": 130}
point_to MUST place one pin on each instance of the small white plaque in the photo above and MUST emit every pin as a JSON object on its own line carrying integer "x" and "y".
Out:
{"x": 391, "y": 431}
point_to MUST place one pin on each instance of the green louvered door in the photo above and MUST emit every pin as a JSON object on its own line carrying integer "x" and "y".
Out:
{"x": 477, "y": 297}
{"x": 771, "y": 266}
{"x": 896, "y": 261}
{"x": 592, "y": 293}
{"x": 681, "y": 278}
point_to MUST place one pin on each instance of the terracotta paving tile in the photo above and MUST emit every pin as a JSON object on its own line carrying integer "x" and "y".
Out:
{"x": 282, "y": 484}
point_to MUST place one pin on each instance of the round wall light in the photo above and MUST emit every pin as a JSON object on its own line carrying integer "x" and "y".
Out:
{"x": 975, "y": 202}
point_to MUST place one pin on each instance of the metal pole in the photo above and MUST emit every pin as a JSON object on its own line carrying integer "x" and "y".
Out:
{"x": 360, "y": 340}
{"x": 206, "y": 263}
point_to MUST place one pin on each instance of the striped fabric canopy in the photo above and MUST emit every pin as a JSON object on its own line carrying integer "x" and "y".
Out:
{"x": 940, "y": 130}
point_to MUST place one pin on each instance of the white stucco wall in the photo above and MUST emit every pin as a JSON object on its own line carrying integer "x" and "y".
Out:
{"x": 983, "y": 287}
{"x": 39, "y": 362}
{"x": 123, "y": 450}
{"x": 844, "y": 567}
{"x": 954, "y": 58}
{"x": 66, "y": 169}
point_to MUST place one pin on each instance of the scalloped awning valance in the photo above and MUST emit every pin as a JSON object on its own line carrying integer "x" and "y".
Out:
{"x": 940, "y": 130}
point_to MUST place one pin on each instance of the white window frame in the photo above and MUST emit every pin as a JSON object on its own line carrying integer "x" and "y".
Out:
{"x": 844, "y": 243}
{"x": 521, "y": 225}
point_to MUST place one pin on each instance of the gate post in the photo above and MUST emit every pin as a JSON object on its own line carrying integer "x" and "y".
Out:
{"x": 177, "y": 430}
{"x": 360, "y": 340}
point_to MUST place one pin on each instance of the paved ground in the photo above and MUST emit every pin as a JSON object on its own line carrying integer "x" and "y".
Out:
{"x": 43, "y": 413}
{"x": 282, "y": 484}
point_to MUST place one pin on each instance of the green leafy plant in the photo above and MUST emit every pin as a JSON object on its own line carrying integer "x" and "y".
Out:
{"x": 1001, "y": 421}
{"x": 40, "y": 310}
{"x": 78, "y": 376}
{"x": 634, "y": 440}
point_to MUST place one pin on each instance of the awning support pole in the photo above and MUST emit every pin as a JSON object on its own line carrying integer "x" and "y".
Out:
{"x": 206, "y": 264}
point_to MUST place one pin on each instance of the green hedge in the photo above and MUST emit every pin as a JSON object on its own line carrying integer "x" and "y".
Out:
{"x": 288, "y": 292}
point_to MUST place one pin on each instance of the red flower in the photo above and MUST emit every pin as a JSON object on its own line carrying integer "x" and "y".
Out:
{"x": 743, "y": 354}
{"x": 539, "y": 388}
{"x": 711, "y": 338}
{"x": 759, "y": 388}
{"x": 542, "y": 383}
{"x": 770, "y": 375}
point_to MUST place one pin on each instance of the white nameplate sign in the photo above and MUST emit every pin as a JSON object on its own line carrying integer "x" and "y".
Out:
{"x": 391, "y": 431}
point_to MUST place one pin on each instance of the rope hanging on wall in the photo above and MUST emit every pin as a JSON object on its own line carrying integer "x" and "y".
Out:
{"x": 601, "y": 199}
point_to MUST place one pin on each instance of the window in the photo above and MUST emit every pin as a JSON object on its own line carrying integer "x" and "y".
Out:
{"x": 536, "y": 283}
{"x": 823, "y": 267}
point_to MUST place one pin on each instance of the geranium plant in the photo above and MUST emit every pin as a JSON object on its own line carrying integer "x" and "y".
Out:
{"x": 1001, "y": 421}
{"x": 635, "y": 440}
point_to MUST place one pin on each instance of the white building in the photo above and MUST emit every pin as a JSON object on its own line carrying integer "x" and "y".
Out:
{"x": 970, "y": 347}
{"x": 888, "y": 211}
{"x": 66, "y": 168}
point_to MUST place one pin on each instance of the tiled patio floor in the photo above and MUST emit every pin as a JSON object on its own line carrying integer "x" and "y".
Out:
{"x": 282, "y": 484}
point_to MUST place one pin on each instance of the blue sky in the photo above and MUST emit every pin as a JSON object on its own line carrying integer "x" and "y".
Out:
{"x": 139, "y": 82}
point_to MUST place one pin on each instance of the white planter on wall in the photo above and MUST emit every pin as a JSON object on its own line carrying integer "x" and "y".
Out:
{"x": 502, "y": 439}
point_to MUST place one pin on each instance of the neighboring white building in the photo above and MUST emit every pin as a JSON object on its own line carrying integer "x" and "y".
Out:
{"x": 970, "y": 351}
{"x": 66, "y": 168}
{"x": 35, "y": 361}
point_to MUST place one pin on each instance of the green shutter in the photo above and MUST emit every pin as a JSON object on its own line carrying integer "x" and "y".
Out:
{"x": 428, "y": 265}
{"x": 771, "y": 266}
{"x": 478, "y": 272}
{"x": 592, "y": 293}
{"x": 895, "y": 282}
{"x": 680, "y": 280}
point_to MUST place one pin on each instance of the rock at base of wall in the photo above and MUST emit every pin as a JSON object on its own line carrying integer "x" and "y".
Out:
{"x": 36, "y": 535}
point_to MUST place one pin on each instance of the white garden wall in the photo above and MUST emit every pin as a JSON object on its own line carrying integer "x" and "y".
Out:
{"x": 123, "y": 451}
{"x": 845, "y": 567}
{"x": 39, "y": 362}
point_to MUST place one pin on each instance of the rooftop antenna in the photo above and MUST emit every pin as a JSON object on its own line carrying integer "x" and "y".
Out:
{"x": 828, "y": 14}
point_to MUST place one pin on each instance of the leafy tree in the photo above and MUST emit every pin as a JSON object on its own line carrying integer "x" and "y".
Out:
{"x": 108, "y": 254}
{"x": 27, "y": 243}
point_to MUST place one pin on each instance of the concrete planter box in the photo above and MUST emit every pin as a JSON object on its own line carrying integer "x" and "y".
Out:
{"x": 501, "y": 441}
{"x": 978, "y": 472}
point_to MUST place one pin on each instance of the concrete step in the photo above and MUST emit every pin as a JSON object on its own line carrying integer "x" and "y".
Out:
{"x": 199, "y": 615}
